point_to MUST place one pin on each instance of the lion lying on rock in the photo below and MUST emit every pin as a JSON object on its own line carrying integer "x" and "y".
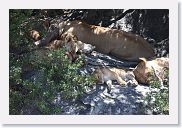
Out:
{"x": 70, "y": 43}
{"x": 146, "y": 71}
{"x": 123, "y": 45}
{"x": 106, "y": 75}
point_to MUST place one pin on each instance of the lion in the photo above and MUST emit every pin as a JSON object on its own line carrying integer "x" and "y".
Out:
{"x": 123, "y": 45}
{"x": 106, "y": 75}
{"x": 154, "y": 69}
{"x": 71, "y": 44}
{"x": 55, "y": 44}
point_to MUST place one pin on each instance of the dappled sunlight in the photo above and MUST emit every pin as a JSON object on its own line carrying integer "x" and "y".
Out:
{"x": 81, "y": 62}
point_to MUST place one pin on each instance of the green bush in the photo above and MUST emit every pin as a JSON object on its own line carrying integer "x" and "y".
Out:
{"x": 158, "y": 101}
{"x": 54, "y": 73}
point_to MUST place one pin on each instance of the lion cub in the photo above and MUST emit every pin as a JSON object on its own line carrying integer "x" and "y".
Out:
{"x": 108, "y": 74}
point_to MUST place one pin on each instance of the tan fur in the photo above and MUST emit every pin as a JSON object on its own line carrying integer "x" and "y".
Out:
{"x": 35, "y": 35}
{"x": 146, "y": 71}
{"x": 108, "y": 74}
{"x": 109, "y": 41}
{"x": 55, "y": 44}
{"x": 72, "y": 44}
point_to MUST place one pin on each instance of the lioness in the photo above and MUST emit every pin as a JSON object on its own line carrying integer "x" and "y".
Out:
{"x": 71, "y": 44}
{"x": 146, "y": 71}
{"x": 108, "y": 74}
{"x": 123, "y": 45}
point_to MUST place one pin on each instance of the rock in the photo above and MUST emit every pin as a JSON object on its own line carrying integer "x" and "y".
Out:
{"x": 153, "y": 25}
{"x": 121, "y": 100}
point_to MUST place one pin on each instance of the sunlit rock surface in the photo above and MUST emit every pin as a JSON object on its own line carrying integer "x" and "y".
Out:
{"x": 120, "y": 101}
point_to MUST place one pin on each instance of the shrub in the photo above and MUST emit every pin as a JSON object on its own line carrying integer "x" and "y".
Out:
{"x": 53, "y": 72}
{"x": 158, "y": 101}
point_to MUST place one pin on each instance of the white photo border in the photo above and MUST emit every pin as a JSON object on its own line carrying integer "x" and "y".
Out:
{"x": 172, "y": 118}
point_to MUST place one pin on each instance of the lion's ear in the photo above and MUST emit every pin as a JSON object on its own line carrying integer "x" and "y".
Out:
{"x": 143, "y": 61}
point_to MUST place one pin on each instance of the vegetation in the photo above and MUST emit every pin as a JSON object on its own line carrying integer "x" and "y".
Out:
{"x": 158, "y": 101}
{"x": 53, "y": 73}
